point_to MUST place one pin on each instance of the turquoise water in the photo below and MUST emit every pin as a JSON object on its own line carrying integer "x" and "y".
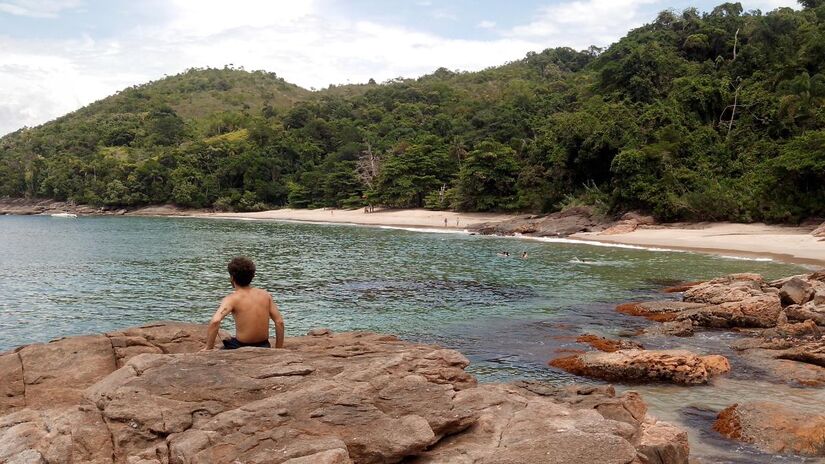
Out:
{"x": 61, "y": 277}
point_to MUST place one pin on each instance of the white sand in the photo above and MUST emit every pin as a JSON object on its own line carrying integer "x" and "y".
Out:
{"x": 782, "y": 243}
{"x": 417, "y": 218}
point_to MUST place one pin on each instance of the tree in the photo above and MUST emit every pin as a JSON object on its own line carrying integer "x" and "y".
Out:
{"x": 487, "y": 180}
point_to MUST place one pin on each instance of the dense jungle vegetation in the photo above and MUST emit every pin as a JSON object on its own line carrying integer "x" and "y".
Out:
{"x": 695, "y": 116}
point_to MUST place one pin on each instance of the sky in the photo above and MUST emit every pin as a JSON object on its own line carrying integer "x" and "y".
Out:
{"x": 59, "y": 55}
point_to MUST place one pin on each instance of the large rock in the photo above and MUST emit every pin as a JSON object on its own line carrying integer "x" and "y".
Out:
{"x": 659, "y": 311}
{"x": 762, "y": 310}
{"x": 731, "y": 288}
{"x": 774, "y": 428}
{"x": 796, "y": 291}
{"x": 325, "y": 399}
{"x": 675, "y": 366}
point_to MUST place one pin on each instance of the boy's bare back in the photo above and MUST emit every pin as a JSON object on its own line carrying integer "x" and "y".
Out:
{"x": 252, "y": 308}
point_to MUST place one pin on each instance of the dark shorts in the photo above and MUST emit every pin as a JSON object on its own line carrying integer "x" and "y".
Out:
{"x": 233, "y": 344}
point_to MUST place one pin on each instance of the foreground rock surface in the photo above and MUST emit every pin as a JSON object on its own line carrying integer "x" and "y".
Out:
{"x": 144, "y": 396}
{"x": 675, "y": 366}
{"x": 774, "y": 428}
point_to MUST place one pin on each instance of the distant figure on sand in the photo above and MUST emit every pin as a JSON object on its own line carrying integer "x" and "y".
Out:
{"x": 445, "y": 222}
{"x": 252, "y": 308}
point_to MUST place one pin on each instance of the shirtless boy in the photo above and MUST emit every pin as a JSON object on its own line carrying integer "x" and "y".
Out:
{"x": 252, "y": 308}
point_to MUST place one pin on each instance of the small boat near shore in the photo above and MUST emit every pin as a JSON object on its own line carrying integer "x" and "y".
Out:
{"x": 64, "y": 215}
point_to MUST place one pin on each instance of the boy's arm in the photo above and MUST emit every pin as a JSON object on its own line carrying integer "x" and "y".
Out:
{"x": 215, "y": 324}
{"x": 276, "y": 317}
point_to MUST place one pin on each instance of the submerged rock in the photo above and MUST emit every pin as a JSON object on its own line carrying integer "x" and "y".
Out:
{"x": 324, "y": 399}
{"x": 674, "y": 366}
{"x": 774, "y": 428}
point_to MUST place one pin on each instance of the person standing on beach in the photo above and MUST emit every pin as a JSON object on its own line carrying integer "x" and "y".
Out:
{"x": 445, "y": 222}
{"x": 252, "y": 308}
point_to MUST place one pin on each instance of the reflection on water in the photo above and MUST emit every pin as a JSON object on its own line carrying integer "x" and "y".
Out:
{"x": 508, "y": 315}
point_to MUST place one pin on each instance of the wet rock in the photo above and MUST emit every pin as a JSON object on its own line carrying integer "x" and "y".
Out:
{"x": 796, "y": 292}
{"x": 732, "y": 288}
{"x": 792, "y": 354}
{"x": 762, "y": 310}
{"x": 659, "y": 311}
{"x": 774, "y": 428}
{"x": 608, "y": 345}
{"x": 674, "y": 366}
{"x": 673, "y": 329}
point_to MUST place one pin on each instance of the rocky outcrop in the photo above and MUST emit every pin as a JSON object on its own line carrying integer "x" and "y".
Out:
{"x": 674, "y": 366}
{"x": 560, "y": 224}
{"x": 728, "y": 289}
{"x": 145, "y": 396}
{"x": 774, "y": 428}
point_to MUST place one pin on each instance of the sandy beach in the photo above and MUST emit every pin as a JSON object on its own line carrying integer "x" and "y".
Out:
{"x": 416, "y": 218}
{"x": 781, "y": 243}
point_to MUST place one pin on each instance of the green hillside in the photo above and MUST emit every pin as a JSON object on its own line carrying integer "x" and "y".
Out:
{"x": 697, "y": 116}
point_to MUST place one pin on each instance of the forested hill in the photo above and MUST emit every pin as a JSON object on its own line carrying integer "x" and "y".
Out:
{"x": 698, "y": 115}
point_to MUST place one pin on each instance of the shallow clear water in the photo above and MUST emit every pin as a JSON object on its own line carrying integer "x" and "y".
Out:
{"x": 62, "y": 277}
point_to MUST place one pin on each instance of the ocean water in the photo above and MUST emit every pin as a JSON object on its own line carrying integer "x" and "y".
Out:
{"x": 61, "y": 277}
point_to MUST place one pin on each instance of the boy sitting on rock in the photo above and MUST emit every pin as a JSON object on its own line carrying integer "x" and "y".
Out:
{"x": 252, "y": 308}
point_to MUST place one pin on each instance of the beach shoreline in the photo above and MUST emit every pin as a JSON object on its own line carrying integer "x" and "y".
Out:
{"x": 790, "y": 244}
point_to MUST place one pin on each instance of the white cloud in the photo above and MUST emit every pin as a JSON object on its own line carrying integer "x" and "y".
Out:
{"x": 37, "y": 8}
{"x": 582, "y": 23}
{"x": 770, "y": 5}
{"x": 486, "y": 24}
